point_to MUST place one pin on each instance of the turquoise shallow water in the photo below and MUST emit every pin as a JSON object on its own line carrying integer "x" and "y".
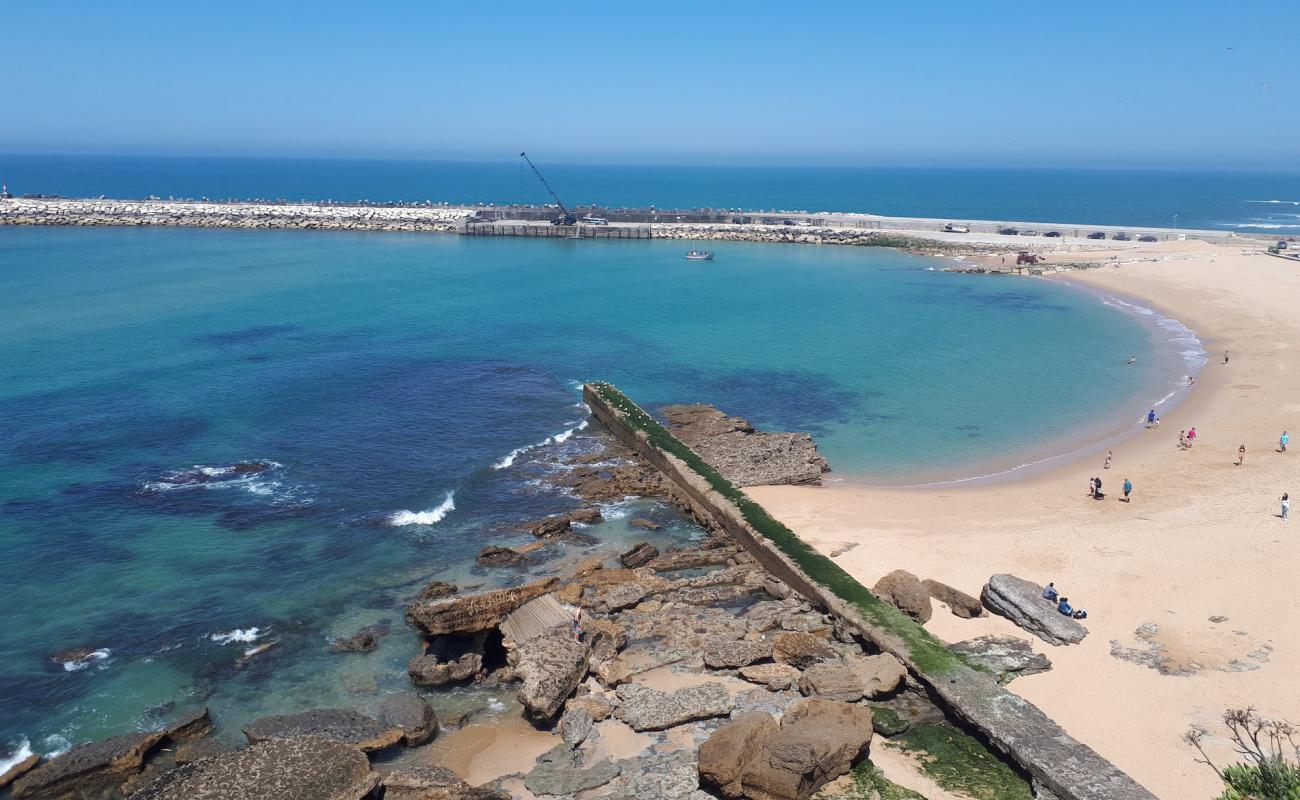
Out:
{"x": 382, "y": 376}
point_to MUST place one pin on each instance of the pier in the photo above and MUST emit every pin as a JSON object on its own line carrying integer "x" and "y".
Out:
{"x": 549, "y": 231}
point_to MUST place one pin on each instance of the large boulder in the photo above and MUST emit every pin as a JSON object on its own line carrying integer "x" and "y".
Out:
{"x": 958, "y": 602}
{"x": 575, "y": 725}
{"x": 437, "y": 590}
{"x": 433, "y": 783}
{"x": 880, "y": 674}
{"x": 646, "y": 709}
{"x": 339, "y": 724}
{"x": 297, "y": 768}
{"x": 363, "y": 641}
{"x": 551, "y": 666}
{"x": 725, "y": 754}
{"x": 427, "y": 670}
{"x": 466, "y": 614}
{"x": 410, "y": 712}
{"x": 1022, "y": 602}
{"x": 639, "y": 556}
{"x": 19, "y": 768}
{"x": 904, "y": 590}
{"x": 1007, "y": 657}
{"x": 496, "y": 556}
{"x": 818, "y": 740}
{"x": 801, "y": 650}
{"x": 89, "y": 769}
{"x": 727, "y": 654}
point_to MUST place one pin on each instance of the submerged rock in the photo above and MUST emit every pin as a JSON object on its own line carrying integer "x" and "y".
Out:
{"x": 495, "y": 556}
{"x": 89, "y": 769}
{"x": 904, "y": 590}
{"x": 339, "y": 724}
{"x": 297, "y": 768}
{"x": 1007, "y": 657}
{"x": 465, "y": 614}
{"x": 1022, "y": 602}
{"x": 363, "y": 641}
{"x": 436, "y": 590}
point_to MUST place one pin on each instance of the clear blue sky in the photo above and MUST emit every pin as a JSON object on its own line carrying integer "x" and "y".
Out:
{"x": 1167, "y": 84}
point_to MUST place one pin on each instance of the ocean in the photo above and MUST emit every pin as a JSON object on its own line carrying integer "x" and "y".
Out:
{"x": 402, "y": 396}
{"x": 1249, "y": 202}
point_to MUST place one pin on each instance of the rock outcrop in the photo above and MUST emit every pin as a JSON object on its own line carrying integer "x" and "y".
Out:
{"x": 471, "y": 613}
{"x": 1007, "y": 657}
{"x": 646, "y": 709}
{"x": 18, "y": 769}
{"x": 776, "y": 677}
{"x": 725, "y": 654}
{"x": 88, "y": 769}
{"x": 832, "y": 680}
{"x": 801, "y": 650}
{"x": 412, "y": 714}
{"x": 560, "y": 772}
{"x": 904, "y": 590}
{"x": 363, "y": 641}
{"x": 744, "y": 456}
{"x": 338, "y": 724}
{"x": 1022, "y": 602}
{"x": 817, "y": 741}
{"x": 639, "y": 555}
{"x": 297, "y": 768}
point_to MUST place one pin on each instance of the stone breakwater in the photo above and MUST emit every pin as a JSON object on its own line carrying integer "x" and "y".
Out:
{"x": 302, "y": 216}
{"x": 784, "y": 234}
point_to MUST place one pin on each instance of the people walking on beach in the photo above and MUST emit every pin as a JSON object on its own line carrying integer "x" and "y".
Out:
{"x": 1092, "y": 487}
{"x": 1241, "y": 455}
{"x": 1191, "y": 436}
{"x": 1225, "y": 356}
{"x": 1282, "y": 441}
{"x": 1151, "y": 418}
{"x": 1109, "y": 456}
{"x": 1096, "y": 489}
{"x": 1286, "y": 506}
{"x": 1182, "y": 440}
{"x": 1128, "y": 489}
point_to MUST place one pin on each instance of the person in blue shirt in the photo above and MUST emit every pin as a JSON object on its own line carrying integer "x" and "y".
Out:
{"x": 1128, "y": 487}
{"x": 1283, "y": 440}
{"x": 1049, "y": 592}
{"x": 1064, "y": 607}
{"x": 1151, "y": 417}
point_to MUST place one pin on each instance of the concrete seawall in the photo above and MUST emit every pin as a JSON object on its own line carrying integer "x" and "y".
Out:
{"x": 1060, "y": 765}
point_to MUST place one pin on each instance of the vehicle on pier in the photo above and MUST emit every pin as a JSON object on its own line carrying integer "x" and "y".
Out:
{"x": 590, "y": 220}
{"x": 951, "y": 228}
{"x": 1025, "y": 257}
{"x": 700, "y": 255}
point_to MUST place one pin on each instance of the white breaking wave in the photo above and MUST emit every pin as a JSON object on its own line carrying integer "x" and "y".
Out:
{"x": 56, "y": 745}
{"x": 1267, "y": 225}
{"x": 430, "y": 517}
{"x": 237, "y": 635}
{"x": 509, "y": 458}
{"x": 1277, "y": 202}
{"x": 91, "y": 657}
{"x": 21, "y": 753}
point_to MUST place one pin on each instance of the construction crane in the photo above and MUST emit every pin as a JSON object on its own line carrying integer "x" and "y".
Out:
{"x": 566, "y": 217}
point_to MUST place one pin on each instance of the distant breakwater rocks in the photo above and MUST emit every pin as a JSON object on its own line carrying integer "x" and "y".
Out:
{"x": 300, "y": 216}
{"x": 784, "y": 234}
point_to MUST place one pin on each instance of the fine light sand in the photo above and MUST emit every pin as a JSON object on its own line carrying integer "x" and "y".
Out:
{"x": 1202, "y": 537}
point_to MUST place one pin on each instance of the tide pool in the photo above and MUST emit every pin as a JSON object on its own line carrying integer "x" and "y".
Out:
{"x": 399, "y": 389}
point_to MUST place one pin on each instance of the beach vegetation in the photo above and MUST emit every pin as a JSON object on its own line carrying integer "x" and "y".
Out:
{"x": 926, "y": 652}
{"x": 962, "y": 764}
{"x": 1271, "y": 749}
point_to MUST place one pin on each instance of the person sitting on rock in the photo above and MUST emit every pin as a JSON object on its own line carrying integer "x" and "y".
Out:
{"x": 1049, "y": 592}
{"x": 1065, "y": 608}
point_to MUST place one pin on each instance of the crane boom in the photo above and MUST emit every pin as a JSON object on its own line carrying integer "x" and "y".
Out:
{"x": 568, "y": 215}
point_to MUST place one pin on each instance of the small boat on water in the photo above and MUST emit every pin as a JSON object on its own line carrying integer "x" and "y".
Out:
{"x": 700, "y": 255}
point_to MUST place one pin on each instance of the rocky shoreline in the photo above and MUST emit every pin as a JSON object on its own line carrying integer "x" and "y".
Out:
{"x": 727, "y": 682}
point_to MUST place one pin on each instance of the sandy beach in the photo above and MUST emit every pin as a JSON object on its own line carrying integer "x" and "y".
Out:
{"x": 1187, "y": 579}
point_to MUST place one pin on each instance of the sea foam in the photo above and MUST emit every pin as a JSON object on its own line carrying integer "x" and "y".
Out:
{"x": 91, "y": 657}
{"x": 430, "y": 517}
{"x": 563, "y": 436}
{"x": 21, "y": 752}
{"x": 237, "y": 635}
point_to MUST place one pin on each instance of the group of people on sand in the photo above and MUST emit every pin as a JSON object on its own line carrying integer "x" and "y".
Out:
{"x": 1062, "y": 603}
{"x": 1187, "y": 438}
{"x": 1094, "y": 486}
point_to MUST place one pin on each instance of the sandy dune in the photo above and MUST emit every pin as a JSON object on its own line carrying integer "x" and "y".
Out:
{"x": 1202, "y": 538}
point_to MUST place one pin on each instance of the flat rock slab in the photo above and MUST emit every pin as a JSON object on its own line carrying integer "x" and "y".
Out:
{"x": 744, "y": 456}
{"x": 727, "y": 654}
{"x": 88, "y": 768}
{"x": 434, "y": 783}
{"x": 646, "y": 709}
{"x": 298, "y": 768}
{"x": 559, "y": 772}
{"x": 776, "y": 677}
{"x": 1022, "y": 602}
{"x": 338, "y": 724}
{"x": 1007, "y": 657}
